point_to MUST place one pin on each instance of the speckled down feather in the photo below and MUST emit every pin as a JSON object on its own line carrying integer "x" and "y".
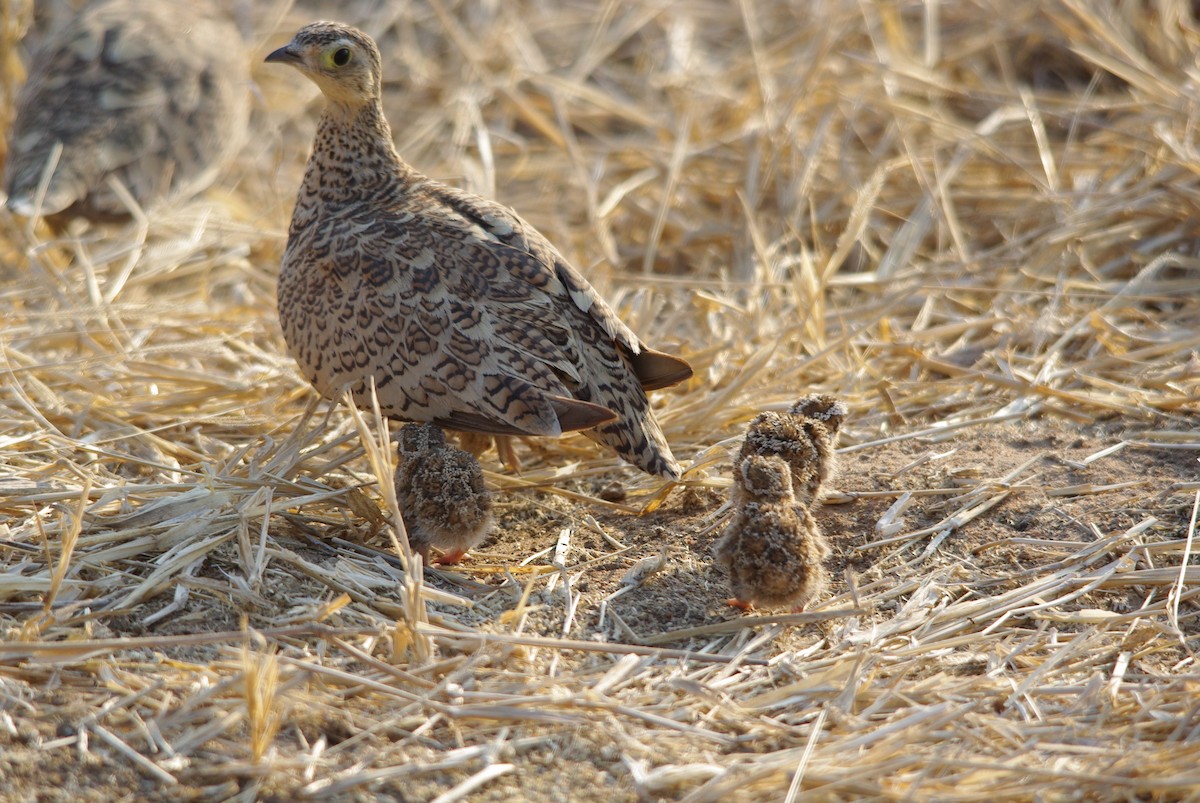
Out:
{"x": 805, "y": 437}
{"x": 772, "y": 546}
{"x": 803, "y": 443}
{"x": 151, "y": 93}
{"x": 459, "y": 310}
{"x": 441, "y": 493}
{"x": 829, "y": 410}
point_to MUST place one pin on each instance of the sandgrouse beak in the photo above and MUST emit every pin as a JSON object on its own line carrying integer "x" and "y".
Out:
{"x": 288, "y": 54}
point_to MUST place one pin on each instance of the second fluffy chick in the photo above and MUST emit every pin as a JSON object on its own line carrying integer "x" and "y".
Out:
{"x": 441, "y": 492}
{"x": 772, "y": 546}
{"x": 805, "y": 437}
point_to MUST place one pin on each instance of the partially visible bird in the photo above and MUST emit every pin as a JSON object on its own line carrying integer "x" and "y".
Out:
{"x": 829, "y": 410}
{"x": 459, "y": 311}
{"x": 413, "y": 440}
{"x": 153, "y": 94}
{"x": 441, "y": 493}
{"x": 765, "y": 478}
{"x": 798, "y": 441}
{"x": 805, "y": 437}
{"x": 772, "y": 547}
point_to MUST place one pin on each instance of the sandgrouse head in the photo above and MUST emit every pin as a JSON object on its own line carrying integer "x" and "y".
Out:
{"x": 343, "y": 61}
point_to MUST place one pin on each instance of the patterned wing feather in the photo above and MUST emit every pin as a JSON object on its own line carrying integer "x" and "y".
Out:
{"x": 615, "y": 367}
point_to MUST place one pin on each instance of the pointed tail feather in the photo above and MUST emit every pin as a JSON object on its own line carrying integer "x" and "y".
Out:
{"x": 656, "y": 370}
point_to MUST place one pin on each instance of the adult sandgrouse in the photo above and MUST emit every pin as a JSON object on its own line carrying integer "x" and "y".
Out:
{"x": 461, "y": 313}
{"x": 152, "y": 93}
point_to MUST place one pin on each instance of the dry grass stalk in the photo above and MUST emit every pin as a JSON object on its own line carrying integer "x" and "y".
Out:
{"x": 264, "y": 710}
{"x": 377, "y": 445}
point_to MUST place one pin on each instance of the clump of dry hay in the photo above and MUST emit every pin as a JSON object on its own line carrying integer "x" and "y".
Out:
{"x": 973, "y": 220}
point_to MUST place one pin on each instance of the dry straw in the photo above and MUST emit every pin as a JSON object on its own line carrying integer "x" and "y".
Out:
{"x": 974, "y": 220}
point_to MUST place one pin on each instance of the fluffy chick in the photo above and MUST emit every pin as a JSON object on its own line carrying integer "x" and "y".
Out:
{"x": 805, "y": 444}
{"x": 442, "y": 496}
{"x": 829, "y": 410}
{"x": 773, "y": 549}
{"x": 413, "y": 440}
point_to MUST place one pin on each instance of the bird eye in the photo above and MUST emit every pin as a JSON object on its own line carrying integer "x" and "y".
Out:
{"x": 341, "y": 56}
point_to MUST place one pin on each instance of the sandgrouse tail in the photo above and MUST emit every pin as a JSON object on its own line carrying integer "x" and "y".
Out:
{"x": 151, "y": 93}
{"x": 462, "y": 314}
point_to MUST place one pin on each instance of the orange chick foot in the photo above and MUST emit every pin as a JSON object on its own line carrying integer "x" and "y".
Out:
{"x": 738, "y": 603}
{"x": 451, "y": 557}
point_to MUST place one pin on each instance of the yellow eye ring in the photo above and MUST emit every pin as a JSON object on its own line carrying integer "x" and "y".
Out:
{"x": 337, "y": 58}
